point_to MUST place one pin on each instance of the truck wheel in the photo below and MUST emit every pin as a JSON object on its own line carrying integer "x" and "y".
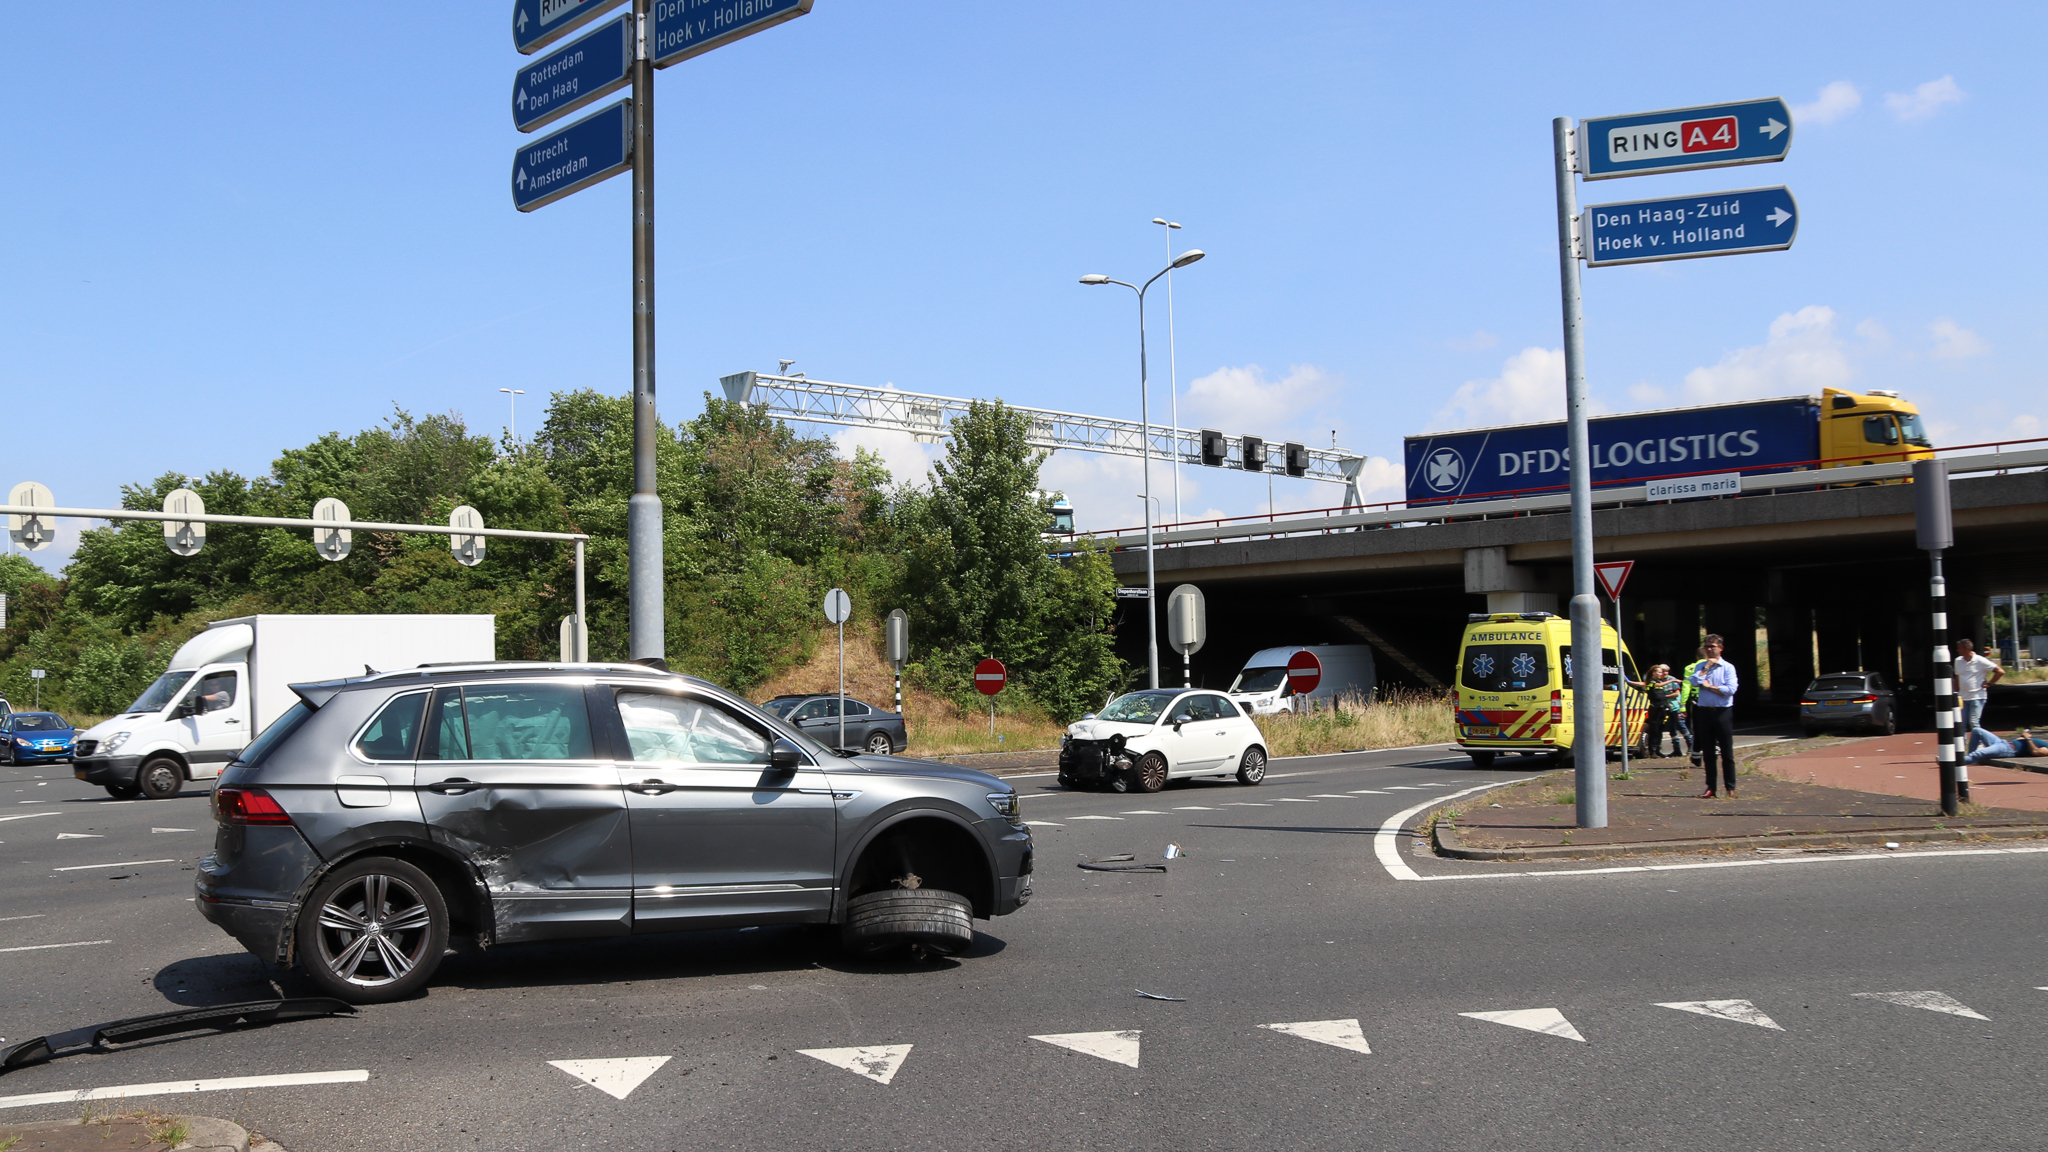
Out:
{"x": 876, "y": 922}
{"x": 373, "y": 930}
{"x": 1252, "y": 768}
{"x": 1481, "y": 759}
{"x": 161, "y": 778}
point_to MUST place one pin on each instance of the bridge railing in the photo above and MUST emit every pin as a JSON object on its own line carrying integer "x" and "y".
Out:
{"x": 2004, "y": 456}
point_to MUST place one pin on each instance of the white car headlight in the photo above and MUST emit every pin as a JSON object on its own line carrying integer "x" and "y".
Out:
{"x": 114, "y": 741}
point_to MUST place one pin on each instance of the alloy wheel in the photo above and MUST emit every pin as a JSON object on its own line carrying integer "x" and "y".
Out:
{"x": 374, "y": 930}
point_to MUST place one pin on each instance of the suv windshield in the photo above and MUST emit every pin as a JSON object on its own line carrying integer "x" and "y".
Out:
{"x": 157, "y": 695}
{"x": 1138, "y": 707}
{"x": 1259, "y": 679}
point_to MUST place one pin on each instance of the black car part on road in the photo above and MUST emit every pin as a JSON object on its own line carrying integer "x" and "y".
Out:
{"x": 220, "y": 1017}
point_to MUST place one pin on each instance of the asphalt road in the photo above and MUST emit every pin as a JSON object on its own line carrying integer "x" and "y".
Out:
{"x": 1280, "y": 913}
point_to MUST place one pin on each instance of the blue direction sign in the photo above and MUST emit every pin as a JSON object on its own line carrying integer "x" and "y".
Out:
{"x": 539, "y": 23}
{"x": 1678, "y": 139}
{"x": 588, "y": 69}
{"x": 686, "y": 28}
{"x": 1682, "y": 227}
{"x": 595, "y": 148}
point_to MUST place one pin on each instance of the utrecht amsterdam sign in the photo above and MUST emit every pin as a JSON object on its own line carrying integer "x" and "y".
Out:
{"x": 595, "y": 148}
{"x": 1682, "y": 227}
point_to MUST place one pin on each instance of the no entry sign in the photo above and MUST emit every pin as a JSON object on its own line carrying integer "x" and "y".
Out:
{"x": 1304, "y": 672}
{"x": 990, "y": 676}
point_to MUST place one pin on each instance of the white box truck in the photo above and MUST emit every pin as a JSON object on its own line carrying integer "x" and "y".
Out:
{"x": 1262, "y": 687}
{"x": 233, "y": 680}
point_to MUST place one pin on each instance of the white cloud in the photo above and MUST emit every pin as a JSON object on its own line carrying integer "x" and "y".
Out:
{"x": 908, "y": 461}
{"x": 1530, "y": 387}
{"x": 2028, "y": 427}
{"x": 1952, "y": 341}
{"x": 1924, "y": 101}
{"x": 1647, "y": 394}
{"x": 1877, "y": 334}
{"x": 1834, "y": 102}
{"x": 1242, "y": 401}
{"x": 1802, "y": 356}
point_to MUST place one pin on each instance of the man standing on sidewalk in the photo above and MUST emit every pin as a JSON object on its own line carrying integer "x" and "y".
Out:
{"x": 1974, "y": 677}
{"x": 1714, "y": 715}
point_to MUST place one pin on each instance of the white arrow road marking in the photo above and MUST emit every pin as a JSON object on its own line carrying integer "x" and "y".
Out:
{"x": 154, "y": 831}
{"x": 1094, "y": 817}
{"x": 1116, "y": 1047}
{"x": 615, "y": 1077}
{"x": 1548, "y": 1021}
{"x": 1932, "y": 1001}
{"x": 40, "y": 947}
{"x": 1193, "y": 808}
{"x": 1336, "y": 1033}
{"x": 79, "y": 836}
{"x": 1740, "y": 1011}
{"x": 173, "y": 1087}
{"x": 121, "y": 864}
{"x": 1778, "y": 216}
{"x": 878, "y": 1063}
{"x": 1771, "y": 128}
{"x": 27, "y": 816}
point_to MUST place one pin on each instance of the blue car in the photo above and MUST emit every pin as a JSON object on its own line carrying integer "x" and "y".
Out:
{"x": 33, "y": 737}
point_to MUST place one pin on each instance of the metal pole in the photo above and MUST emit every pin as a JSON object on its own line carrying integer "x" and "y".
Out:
{"x": 1953, "y": 788}
{"x": 1145, "y": 436}
{"x": 899, "y": 691}
{"x": 643, "y": 510}
{"x": 1172, "y": 371}
{"x": 842, "y": 682}
{"x": 1589, "y": 740}
{"x": 582, "y": 623}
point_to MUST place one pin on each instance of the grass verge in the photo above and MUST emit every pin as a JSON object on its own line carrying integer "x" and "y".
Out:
{"x": 1397, "y": 720}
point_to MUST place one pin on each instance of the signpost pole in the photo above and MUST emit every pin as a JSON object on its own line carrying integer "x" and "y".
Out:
{"x": 1620, "y": 674}
{"x": 643, "y": 520}
{"x": 1934, "y": 528}
{"x": 1589, "y": 740}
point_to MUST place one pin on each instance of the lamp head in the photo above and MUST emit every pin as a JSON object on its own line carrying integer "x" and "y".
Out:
{"x": 1095, "y": 278}
{"x": 1188, "y": 257}
{"x": 1165, "y": 222}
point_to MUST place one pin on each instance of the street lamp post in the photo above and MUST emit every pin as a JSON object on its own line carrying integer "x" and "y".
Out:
{"x": 1172, "y": 362}
{"x": 1145, "y": 445}
{"x": 515, "y": 394}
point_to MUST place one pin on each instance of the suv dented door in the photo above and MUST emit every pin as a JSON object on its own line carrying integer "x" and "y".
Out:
{"x": 717, "y": 834}
{"x": 510, "y": 778}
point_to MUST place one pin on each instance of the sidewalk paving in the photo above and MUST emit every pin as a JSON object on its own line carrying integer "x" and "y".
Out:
{"x": 1903, "y": 765}
{"x": 133, "y": 1132}
{"x": 1801, "y": 802}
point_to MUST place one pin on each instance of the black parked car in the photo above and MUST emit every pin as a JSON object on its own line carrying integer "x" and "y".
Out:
{"x": 875, "y": 731}
{"x": 1848, "y": 700}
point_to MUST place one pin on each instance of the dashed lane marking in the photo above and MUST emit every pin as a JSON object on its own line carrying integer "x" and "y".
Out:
{"x": 30, "y": 916}
{"x": 616, "y": 1077}
{"x": 1143, "y": 812}
{"x": 1344, "y": 1034}
{"x": 154, "y": 831}
{"x": 1328, "y": 796}
{"x": 1044, "y": 824}
{"x": 1094, "y": 817}
{"x": 79, "y": 836}
{"x": 1740, "y": 1011}
{"x": 1932, "y": 1001}
{"x": 1548, "y": 1021}
{"x": 878, "y": 1063}
{"x": 1406, "y": 788}
{"x": 175, "y": 1087}
{"x": 119, "y": 864}
{"x": 1193, "y": 808}
{"x": 1368, "y": 792}
{"x": 40, "y": 947}
{"x": 1115, "y": 1047}
{"x": 1293, "y": 800}
{"x": 27, "y": 815}
{"x": 1245, "y": 804}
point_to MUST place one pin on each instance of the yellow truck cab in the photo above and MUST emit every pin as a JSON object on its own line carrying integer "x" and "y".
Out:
{"x": 1874, "y": 427}
{"x": 1514, "y": 689}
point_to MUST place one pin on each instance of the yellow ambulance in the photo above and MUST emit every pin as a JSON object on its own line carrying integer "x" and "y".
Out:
{"x": 1514, "y": 689}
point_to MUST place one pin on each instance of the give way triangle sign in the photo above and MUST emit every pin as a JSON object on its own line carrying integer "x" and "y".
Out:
{"x": 1613, "y": 575}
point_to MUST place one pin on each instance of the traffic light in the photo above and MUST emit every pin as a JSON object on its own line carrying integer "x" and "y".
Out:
{"x": 1254, "y": 454}
{"x": 1296, "y": 459}
{"x": 1214, "y": 448}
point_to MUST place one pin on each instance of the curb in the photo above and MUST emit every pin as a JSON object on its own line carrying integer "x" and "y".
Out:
{"x": 1447, "y": 842}
{"x": 203, "y": 1134}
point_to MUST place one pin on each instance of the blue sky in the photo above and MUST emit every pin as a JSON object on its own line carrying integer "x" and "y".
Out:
{"x": 233, "y": 227}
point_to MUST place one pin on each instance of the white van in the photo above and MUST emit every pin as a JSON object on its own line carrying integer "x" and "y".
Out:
{"x": 1262, "y": 688}
{"x": 231, "y": 681}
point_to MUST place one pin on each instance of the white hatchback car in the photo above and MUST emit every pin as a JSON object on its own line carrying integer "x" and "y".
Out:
{"x": 1143, "y": 739}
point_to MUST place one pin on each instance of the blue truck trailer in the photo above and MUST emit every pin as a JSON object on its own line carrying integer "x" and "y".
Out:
{"x": 1835, "y": 429}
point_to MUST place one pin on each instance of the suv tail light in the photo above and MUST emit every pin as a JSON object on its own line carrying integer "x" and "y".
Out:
{"x": 247, "y": 806}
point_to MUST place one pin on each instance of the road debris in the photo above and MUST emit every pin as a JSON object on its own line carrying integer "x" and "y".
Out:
{"x": 1157, "y": 996}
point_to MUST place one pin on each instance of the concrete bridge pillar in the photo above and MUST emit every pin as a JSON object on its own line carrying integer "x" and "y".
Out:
{"x": 1790, "y": 628}
{"x": 1736, "y": 624}
{"x": 1507, "y": 587}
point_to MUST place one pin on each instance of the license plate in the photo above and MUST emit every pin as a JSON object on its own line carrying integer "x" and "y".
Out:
{"x": 1483, "y": 730}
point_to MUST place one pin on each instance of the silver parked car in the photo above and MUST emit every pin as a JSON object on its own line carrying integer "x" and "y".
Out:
{"x": 524, "y": 802}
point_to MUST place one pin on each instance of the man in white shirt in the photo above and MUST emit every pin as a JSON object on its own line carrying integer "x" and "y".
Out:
{"x": 1974, "y": 677}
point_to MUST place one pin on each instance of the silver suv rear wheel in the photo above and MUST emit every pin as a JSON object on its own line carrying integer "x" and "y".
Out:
{"x": 373, "y": 931}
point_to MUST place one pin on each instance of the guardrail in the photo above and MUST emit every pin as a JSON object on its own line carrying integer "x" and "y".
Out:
{"x": 1397, "y": 514}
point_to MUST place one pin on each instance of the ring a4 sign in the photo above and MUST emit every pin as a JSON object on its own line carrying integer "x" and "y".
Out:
{"x": 1682, "y": 139}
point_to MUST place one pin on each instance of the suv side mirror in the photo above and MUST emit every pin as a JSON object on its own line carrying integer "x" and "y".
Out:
{"x": 784, "y": 756}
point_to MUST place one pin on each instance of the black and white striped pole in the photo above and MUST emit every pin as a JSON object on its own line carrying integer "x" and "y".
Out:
{"x": 1936, "y": 531}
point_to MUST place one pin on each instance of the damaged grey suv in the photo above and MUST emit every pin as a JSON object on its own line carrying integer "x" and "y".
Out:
{"x": 507, "y": 803}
